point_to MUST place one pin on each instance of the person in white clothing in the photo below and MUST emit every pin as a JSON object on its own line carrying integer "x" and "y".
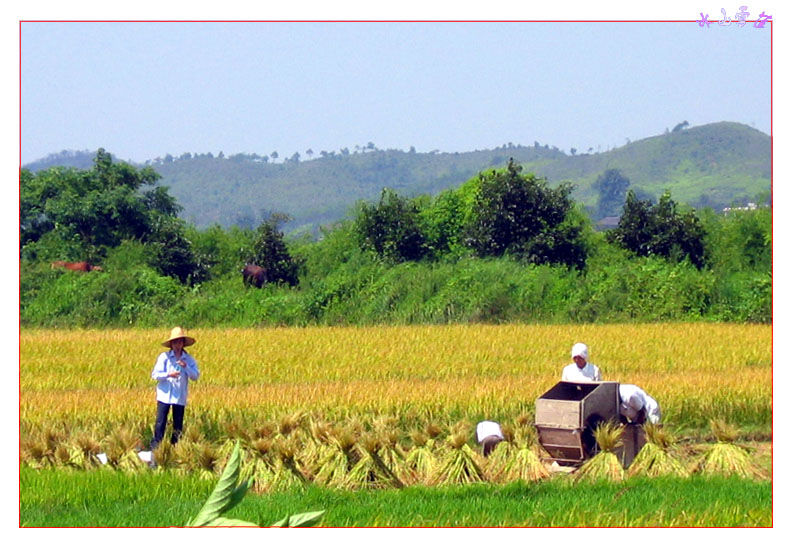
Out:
{"x": 489, "y": 435}
{"x": 172, "y": 371}
{"x": 637, "y": 406}
{"x": 582, "y": 369}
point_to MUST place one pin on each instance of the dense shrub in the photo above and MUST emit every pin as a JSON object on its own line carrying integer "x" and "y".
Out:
{"x": 391, "y": 228}
{"x": 271, "y": 253}
{"x": 516, "y": 271}
{"x": 521, "y": 215}
{"x": 660, "y": 230}
{"x": 138, "y": 296}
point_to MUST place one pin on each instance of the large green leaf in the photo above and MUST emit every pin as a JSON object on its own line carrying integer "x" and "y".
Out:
{"x": 226, "y": 494}
{"x": 223, "y": 521}
{"x": 303, "y": 519}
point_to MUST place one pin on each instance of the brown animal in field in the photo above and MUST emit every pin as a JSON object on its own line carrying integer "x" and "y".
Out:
{"x": 82, "y": 266}
{"x": 254, "y": 275}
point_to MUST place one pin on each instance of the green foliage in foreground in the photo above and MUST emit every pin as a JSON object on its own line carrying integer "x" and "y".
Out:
{"x": 108, "y": 498}
{"x": 229, "y": 492}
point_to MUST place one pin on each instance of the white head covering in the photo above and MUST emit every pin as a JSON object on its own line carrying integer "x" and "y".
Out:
{"x": 488, "y": 428}
{"x": 580, "y": 349}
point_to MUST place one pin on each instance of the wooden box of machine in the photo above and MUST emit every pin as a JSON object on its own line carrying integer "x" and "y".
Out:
{"x": 567, "y": 414}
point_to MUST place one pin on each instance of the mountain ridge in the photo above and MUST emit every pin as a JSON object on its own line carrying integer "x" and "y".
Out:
{"x": 712, "y": 165}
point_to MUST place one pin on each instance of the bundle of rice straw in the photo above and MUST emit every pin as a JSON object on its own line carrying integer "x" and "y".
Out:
{"x": 460, "y": 465}
{"x": 726, "y": 458}
{"x": 258, "y": 463}
{"x": 522, "y": 462}
{"x": 654, "y": 459}
{"x": 420, "y": 462}
{"x": 287, "y": 471}
{"x": 339, "y": 458}
{"x": 605, "y": 465}
{"x": 375, "y": 469}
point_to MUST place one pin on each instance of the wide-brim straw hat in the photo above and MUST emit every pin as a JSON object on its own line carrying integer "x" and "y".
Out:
{"x": 178, "y": 333}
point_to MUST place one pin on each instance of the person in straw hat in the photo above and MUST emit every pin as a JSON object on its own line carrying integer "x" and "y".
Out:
{"x": 581, "y": 369}
{"x": 172, "y": 371}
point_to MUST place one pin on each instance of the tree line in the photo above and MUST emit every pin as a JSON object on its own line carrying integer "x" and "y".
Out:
{"x": 502, "y": 220}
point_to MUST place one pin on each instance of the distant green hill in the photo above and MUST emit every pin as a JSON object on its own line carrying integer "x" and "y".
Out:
{"x": 711, "y": 165}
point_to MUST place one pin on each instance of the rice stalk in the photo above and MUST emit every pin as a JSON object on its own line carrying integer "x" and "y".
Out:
{"x": 420, "y": 463}
{"x": 63, "y": 456}
{"x": 605, "y": 465}
{"x": 523, "y": 464}
{"x": 723, "y": 431}
{"x": 282, "y": 478}
{"x": 608, "y": 436}
{"x": 289, "y": 423}
{"x": 654, "y": 459}
{"x": 163, "y": 455}
{"x": 460, "y": 465}
{"x": 333, "y": 468}
{"x": 727, "y": 459}
{"x": 89, "y": 447}
{"x": 288, "y": 449}
{"x": 366, "y": 473}
{"x": 207, "y": 460}
{"x": 121, "y": 449}
{"x": 372, "y": 471}
{"x": 495, "y": 464}
{"x": 265, "y": 430}
{"x": 433, "y": 430}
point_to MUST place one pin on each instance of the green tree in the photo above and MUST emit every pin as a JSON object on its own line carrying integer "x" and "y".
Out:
{"x": 173, "y": 254}
{"x": 612, "y": 187}
{"x": 98, "y": 207}
{"x": 443, "y": 221}
{"x": 660, "y": 230}
{"x": 81, "y": 214}
{"x": 391, "y": 229}
{"x": 271, "y": 253}
{"x": 520, "y": 215}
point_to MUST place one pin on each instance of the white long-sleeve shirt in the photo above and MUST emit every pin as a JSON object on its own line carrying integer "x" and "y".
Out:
{"x": 173, "y": 390}
{"x": 634, "y": 399}
{"x": 589, "y": 372}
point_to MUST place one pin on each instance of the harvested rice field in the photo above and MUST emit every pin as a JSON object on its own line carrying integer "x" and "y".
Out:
{"x": 389, "y": 408}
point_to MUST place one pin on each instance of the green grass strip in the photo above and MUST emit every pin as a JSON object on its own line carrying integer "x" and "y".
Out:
{"x": 108, "y": 498}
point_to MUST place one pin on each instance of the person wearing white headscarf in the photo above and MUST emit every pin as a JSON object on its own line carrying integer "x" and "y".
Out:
{"x": 637, "y": 406}
{"x": 489, "y": 435}
{"x": 581, "y": 369}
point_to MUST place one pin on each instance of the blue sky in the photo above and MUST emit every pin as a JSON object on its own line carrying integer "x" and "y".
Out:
{"x": 141, "y": 90}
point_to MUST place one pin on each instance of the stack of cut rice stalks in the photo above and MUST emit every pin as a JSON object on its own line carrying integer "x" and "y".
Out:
{"x": 375, "y": 469}
{"x": 605, "y": 465}
{"x": 338, "y": 458}
{"x": 460, "y": 464}
{"x": 654, "y": 459}
{"x": 420, "y": 461}
{"x": 726, "y": 458}
{"x": 516, "y": 458}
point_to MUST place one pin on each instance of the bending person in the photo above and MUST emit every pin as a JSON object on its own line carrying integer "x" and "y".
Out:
{"x": 637, "y": 406}
{"x": 489, "y": 435}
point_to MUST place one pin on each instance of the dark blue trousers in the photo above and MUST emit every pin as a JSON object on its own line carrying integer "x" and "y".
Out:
{"x": 162, "y": 420}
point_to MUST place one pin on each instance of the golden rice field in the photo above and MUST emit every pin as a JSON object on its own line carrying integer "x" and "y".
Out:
{"x": 100, "y": 379}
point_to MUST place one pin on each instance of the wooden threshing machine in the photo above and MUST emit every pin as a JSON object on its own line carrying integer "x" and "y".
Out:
{"x": 568, "y": 413}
